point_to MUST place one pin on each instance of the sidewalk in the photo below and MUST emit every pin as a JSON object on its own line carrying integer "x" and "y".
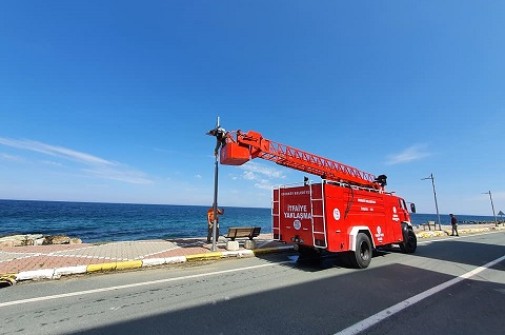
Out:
{"x": 54, "y": 261}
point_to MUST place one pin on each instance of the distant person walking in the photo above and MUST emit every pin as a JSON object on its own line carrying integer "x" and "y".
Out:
{"x": 210, "y": 222}
{"x": 454, "y": 224}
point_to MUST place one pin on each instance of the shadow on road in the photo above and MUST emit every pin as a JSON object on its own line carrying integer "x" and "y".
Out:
{"x": 456, "y": 250}
{"x": 322, "y": 306}
{"x": 461, "y": 251}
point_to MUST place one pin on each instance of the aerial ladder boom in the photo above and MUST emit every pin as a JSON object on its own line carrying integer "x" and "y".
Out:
{"x": 237, "y": 148}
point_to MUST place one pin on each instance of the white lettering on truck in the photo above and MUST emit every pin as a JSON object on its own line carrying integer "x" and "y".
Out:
{"x": 367, "y": 201}
{"x": 297, "y": 212}
{"x": 289, "y": 215}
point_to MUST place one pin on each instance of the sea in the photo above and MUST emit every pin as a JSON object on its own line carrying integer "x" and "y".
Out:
{"x": 106, "y": 222}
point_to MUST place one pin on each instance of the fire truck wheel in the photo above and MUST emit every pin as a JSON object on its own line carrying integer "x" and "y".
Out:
{"x": 363, "y": 255}
{"x": 409, "y": 246}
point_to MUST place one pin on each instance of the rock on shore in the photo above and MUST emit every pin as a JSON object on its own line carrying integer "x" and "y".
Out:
{"x": 36, "y": 239}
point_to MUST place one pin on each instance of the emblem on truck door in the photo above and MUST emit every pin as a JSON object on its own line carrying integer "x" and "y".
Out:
{"x": 336, "y": 214}
{"x": 297, "y": 224}
{"x": 395, "y": 215}
{"x": 380, "y": 234}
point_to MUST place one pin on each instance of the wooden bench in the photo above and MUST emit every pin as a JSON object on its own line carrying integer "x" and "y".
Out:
{"x": 241, "y": 232}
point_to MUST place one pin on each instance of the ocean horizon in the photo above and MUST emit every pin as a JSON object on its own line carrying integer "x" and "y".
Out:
{"x": 104, "y": 222}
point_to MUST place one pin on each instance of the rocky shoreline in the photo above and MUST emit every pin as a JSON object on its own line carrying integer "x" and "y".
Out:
{"x": 36, "y": 239}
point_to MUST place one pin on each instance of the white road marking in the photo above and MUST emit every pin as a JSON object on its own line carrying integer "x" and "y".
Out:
{"x": 384, "y": 314}
{"x": 128, "y": 286}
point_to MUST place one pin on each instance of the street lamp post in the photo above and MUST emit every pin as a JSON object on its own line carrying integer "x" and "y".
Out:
{"x": 492, "y": 206}
{"x": 435, "y": 197}
{"x": 218, "y": 132}
{"x": 214, "y": 225}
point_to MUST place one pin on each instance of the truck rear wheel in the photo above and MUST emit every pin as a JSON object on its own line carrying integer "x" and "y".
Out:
{"x": 409, "y": 244}
{"x": 362, "y": 257}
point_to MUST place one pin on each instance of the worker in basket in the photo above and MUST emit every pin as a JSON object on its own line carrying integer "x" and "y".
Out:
{"x": 210, "y": 222}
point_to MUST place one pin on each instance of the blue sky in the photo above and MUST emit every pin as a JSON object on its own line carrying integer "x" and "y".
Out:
{"x": 110, "y": 100}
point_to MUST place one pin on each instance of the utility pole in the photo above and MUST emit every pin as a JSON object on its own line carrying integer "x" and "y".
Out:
{"x": 435, "y": 197}
{"x": 218, "y": 132}
{"x": 492, "y": 206}
{"x": 214, "y": 225}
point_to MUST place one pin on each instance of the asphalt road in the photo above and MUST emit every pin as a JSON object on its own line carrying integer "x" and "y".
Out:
{"x": 451, "y": 286}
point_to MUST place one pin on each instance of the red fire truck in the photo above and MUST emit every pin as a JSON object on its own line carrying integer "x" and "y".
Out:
{"x": 348, "y": 212}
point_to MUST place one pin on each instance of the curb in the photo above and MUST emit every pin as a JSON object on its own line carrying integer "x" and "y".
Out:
{"x": 8, "y": 279}
{"x": 56, "y": 273}
{"x": 103, "y": 267}
{"x": 205, "y": 256}
{"x": 462, "y": 231}
{"x": 428, "y": 234}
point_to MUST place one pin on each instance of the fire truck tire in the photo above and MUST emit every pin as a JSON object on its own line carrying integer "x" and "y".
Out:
{"x": 409, "y": 245}
{"x": 362, "y": 257}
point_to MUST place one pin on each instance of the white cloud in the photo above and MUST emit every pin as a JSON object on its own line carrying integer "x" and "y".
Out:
{"x": 54, "y": 151}
{"x": 118, "y": 174}
{"x": 95, "y": 166}
{"x": 262, "y": 176}
{"x": 264, "y": 185}
{"x": 248, "y": 175}
{"x": 52, "y": 163}
{"x": 11, "y": 158}
{"x": 255, "y": 168}
{"x": 412, "y": 153}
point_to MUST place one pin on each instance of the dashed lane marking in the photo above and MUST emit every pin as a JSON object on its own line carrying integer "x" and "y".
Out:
{"x": 384, "y": 314}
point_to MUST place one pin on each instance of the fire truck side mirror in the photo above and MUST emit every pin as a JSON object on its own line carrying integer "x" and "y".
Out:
{"x": 412, "y": 207}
